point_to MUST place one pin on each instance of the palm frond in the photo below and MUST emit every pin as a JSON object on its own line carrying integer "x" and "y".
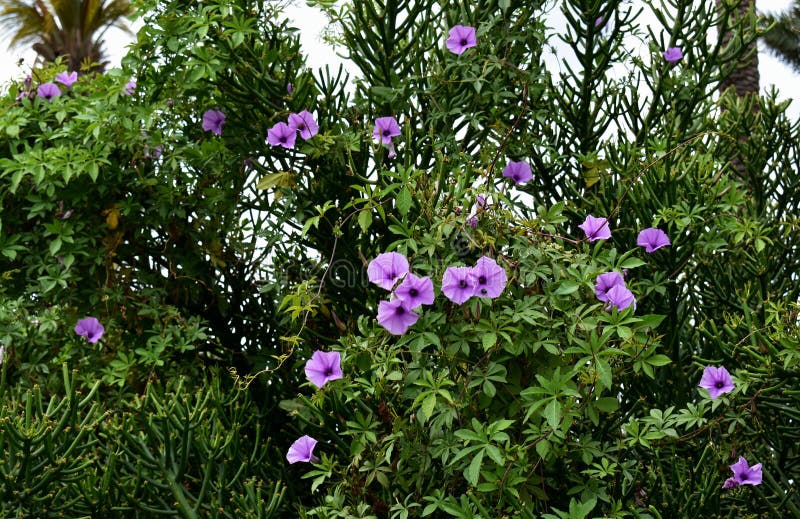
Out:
{"x": 783, "y": 38}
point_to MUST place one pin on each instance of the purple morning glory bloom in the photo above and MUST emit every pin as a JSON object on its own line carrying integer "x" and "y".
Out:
{"x": 458, "y": 284}
{"x": 48, "y": 91}
{"x": 304, "y": 123}
{"x": 396, "y": 316}
{"x": 717, "y": 381}
{"x": 302, "y": 450}
{"x": 620, "y": 297}
{"x": 387, "y": 268}
{"x": 652, "y": 239}
{"x": 461, "y": 38}
{"x": 596, "y": 228}
{"x": 385, "y": 129}
{"x": 472, "y": 221}
{"x": 281, "y": 135}
{"x": 67, "y": 79}
{"x": 90, "y": 328}
{"x": 480, "y": 201}
{"x": 605, "y": 282}
{"x": 289, "y": 88}
{"x": 323, "y": 367}
{"x": 743, "y": 474}
{"x": 213, "y": 121}
{"x": 489, "y": 278}
{"x": 415, "y": 291}
{"x": 673, "y": 54}
{"x": 519, "y": 172}
{"x": 130, "y": 88}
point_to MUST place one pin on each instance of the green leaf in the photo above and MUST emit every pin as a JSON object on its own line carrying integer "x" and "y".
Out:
{"x": 567, "y": 287}
{"x": 365, "y": 219}
{"x": 473, "y": 472}
{"x": 552, "y": 413}
{"x": 488, "y": 340}
{"x": 403, "y": 201}
{"x": 270, "y": 180}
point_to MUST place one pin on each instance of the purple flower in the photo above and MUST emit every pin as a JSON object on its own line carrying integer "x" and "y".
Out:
{"x": 620, "y": 297}
{"x": 387, "y": 268}
{"x": 415, "y": 291}
{"x": 606, "y": 282}
{"x": 598, "y": 21}
{"x": 304, "y": 123}
{"x": 480, "y": 201}
{"x": 130, "y": 88}
{"x": 519, "y": 172}
{"x": 596, "y": 228}
{"x": 281, "y": 135}
{"x": 289, "y": 88}
{"x": 67, "y": 79}
{"x": 743, "y": 474}
{"x": 213, "y": 121}
{"x": 396, "y": 316}
{"x": 673, "y": 54}
{"x": 461, "y": 38}
{"x": 323, "y": 367}
{"x": 302, "y": 450}
{"x": 489, "y": 278}
{"x": 472, "y": 221}
{"x": 48, "y": 91}
{"x": 385, "y": 129}
{"x": 717, "y": 381}
{"x": 458, "y": 284}
{"x": 90, "y": 328}
{"x": 652, "y": 239}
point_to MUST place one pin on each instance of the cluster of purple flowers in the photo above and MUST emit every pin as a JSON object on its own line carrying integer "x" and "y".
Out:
{"x": 49, "y": 90}
{"x": 285, "y": 133}
{"x": 610, "y": 286}
{"x": 321, "y": 368}
{"x": 397, "y": 314}
{"x": 718, "y": 381}
{"x": 486, "y": 279}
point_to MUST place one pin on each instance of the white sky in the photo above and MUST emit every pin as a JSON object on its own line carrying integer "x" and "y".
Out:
{"x": 312, "y": 23}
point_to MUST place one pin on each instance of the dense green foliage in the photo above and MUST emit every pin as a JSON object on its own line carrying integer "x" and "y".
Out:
{"x": 210, "y": 257}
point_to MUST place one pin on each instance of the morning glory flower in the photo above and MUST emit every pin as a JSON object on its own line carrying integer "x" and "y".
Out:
{"x": 302, "y": 450}
{"x": 304, "y": 123}
{"x": 289, "y": 88}
{"x": 396, "y": 316}
{"x": 620, "y": 297}
{"x": 130, "y": 88}
{"x": 323, "y": 367}
{"x": 472, "y": 221}
{"x": 519, "y": 172}
{"x": 90, "y": 328}
{"x": 281, "y": 135}
{"x": 461, "y": 38}
{"x": 387, "y": 268}
{"x": 415, "y": 291}
{"x": 458, "y": 284}
{"x": 717, "y": 381}
{"x": 489, "y": 278}
{"x": 605, "y": 282}
{"x": 480, "y": 201}
{"x": 652, "y": 239}
{"x": 385, "y": 129}
{"x": 596, "y": 228}
{"x": 67, "y": 79}
{"x": 48, "y": 91}
{"x": 213, "y": 121}
{"x": 743, "y": 474}
{"x": 673, "y": 54}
